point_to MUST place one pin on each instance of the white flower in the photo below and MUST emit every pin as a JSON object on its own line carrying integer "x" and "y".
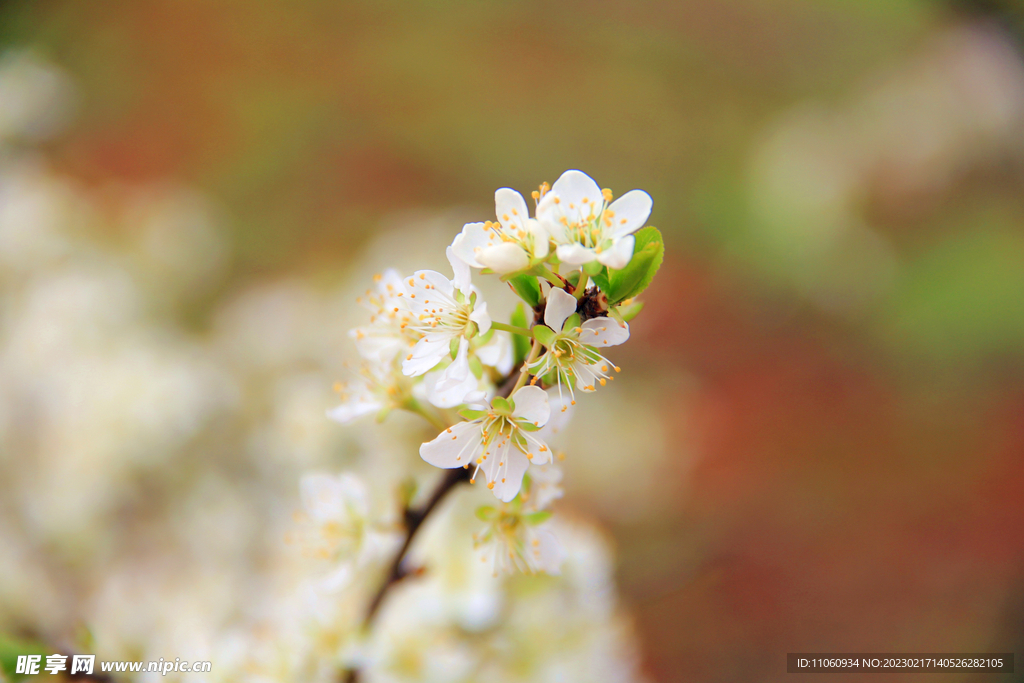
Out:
{"x": 389, "y": 331}
{"x": 545, "y": 486}
{"x": 572, "y": 349}
{"x": 497, "y": 353}
{"x": 508, "y": 245}
{"x": 338, "y": 526}
{"x": 514, "y": 540}
{"x": 499, "y": 441}
{"x": 444, "y": 311}
{"x": 375, "y": 389}
{"x": 576, "y": 213}
{"x": 451, "y": 395}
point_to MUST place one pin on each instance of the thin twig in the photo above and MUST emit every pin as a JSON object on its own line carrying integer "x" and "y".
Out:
{"x": 414, "y": 519}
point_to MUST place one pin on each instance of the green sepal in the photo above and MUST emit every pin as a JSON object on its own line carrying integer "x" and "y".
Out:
{"x": 538, "y": 517}
{"x": 383, "y": 413}
{"x": 544, "y": 334}
{"x": 470, "y": 414}
{"x": 485, "y": 513}
{"x": 593, "y": 268}
{"x": 527, "y": 287}
{"x": 573, "y": 278}
{"x": 520, "y": 344}
{"x": 503, "y": 404}
{"x": 648, "y": 253}
{"x": 600, "y": 278}
{"x": 572, "y": 322}
{"x": 527, "y": 426}
{"x": 630, "y": 311}
{"x": 476, "y": 367}
{"x": 482, "y": 339}
{"x": 453, "y": 347}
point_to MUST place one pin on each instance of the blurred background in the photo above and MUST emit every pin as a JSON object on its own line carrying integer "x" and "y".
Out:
{"x": 821, "y": 412}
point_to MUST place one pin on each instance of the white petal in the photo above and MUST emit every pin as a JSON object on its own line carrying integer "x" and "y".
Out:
{"x": 631, "y": 212}
{"x": 417, "y": 284}
{"x": 506, "y": 257}
{"x": 511, "y": 209}
{"x": 390, "y": 283}
{"x": 548, "y": 553}
{"x": 559, "y": 307}
{"x": 550, "y": 212}
{"x": 456, "y": 373}
{"x": 452, "y": 396}
{"x": 601, "y": 332}
{"x": 507, "y": 486}
{"x": 541, "y": 238}
{"x": 559, "y": 418}
{"x": 620, "y": 253}
{"x": 537, "y": 448}
{"x": 532, "y": 405}
{"x": 575, "y": 254}
{"x": 473, "y": 238}
{"x": 354, "y": 409}
{"x": 427, "y": 353}
{"x": 339, "y": 578}
{"x": 461, "y": 269}
{"x": 586, "y": 380}
{"x": 333, "y": 498}
{"x": 480, "y": 316}
{"x": 546, "y": 486}
{"x": 379, "y": 346}
{"x": 497, "y": 353}
{"x": 454, "y": 447}
{"x": 575, "y": 186}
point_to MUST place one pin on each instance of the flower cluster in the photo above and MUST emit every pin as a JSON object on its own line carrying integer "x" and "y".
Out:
{"x": 116, "y": 404}
{"x": 432, "y": 347}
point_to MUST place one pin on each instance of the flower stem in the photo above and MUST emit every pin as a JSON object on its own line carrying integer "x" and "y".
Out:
{"x": 581, "y": 286}
{"x": 555, "y": 280}
{"x": 511, "y": 328}
{"x": 524, "y": 373}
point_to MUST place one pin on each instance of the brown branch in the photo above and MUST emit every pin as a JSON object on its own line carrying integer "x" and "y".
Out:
{"x": 414, "y": 519}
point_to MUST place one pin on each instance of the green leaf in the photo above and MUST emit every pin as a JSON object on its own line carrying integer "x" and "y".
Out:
{"x": 648, "y": 254}
{"x": 527, "y": 287}
{"x": 486, "y": 513}
{"x": 629, "y": 312}
{"x": 539, "y": 517}
{"x": 520, "y": 344}
{"x": 600, "y": 278}
{"x": 544, "y": 334}
{"x": 10, "y": 648}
